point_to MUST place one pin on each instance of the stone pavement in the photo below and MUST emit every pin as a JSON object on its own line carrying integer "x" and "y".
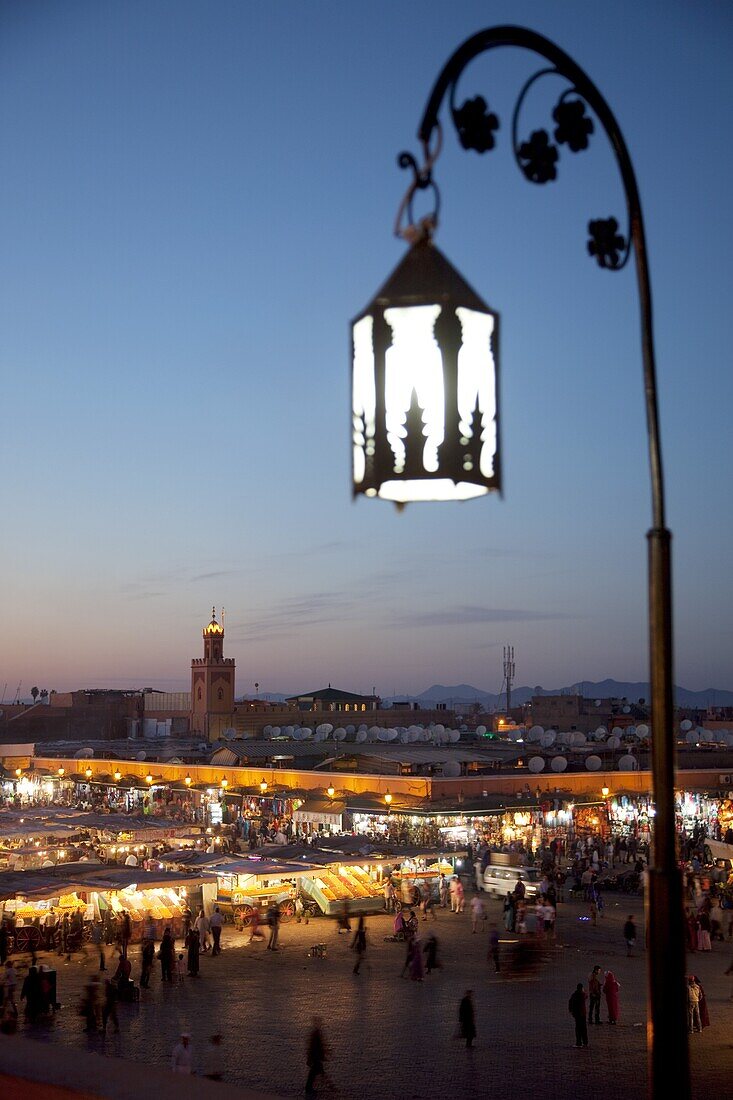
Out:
{"x": 393, "y": 1038}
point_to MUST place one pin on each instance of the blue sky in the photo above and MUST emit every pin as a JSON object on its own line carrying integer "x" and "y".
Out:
{"x": 194, "y": 201}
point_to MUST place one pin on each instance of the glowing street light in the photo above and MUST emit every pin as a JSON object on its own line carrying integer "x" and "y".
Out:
{"x": 149, "y": 779}
{"x": 117, "y": 776}
{"x": 331, "y": 791}
{"x": 224, "y": 783}
{"x": 425, "y": 422}
{"x": 605, "y": 792}
{"x": 88, "y": 773}
{"x": 263, "y": 786}
{"x": 388, "y": 798}
{"x": 188, "y": 781}
{"x": 61, "y": 772}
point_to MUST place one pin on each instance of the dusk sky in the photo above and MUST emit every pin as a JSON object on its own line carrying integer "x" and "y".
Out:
{"x": 195, "y": 199}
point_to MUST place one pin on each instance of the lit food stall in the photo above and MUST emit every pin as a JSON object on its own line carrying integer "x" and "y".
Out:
{"x": 352, "y": 884}
{"x": 245, "y": 883}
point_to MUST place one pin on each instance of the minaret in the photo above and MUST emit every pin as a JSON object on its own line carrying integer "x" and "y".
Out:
{"x": 212, "y": 684}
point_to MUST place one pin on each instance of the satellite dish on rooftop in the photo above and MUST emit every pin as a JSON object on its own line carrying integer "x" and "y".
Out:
{"x": 339, "y": 734}
{"x": 558, "y": 763}
{"x": 613, "y": 742}
{"x": 534, "y": 733}
{"x": 598, "y": 702}
{"x": 642, "y": 731}
{"x": 627, "y": 764}
{"x": 141, "y": 756}
{"x": 577, "y": 739}
{"x": 351, "y": 729}
{"x": 627, "y": 710}
{"x": 593, "y": 763}
{"x": 692, "y": 737}
{"x": 617, "y": 731}
{"x": 686, "y": 725}
{"x": 451, "y": 769}
{"x": 361, "y": 736}
{"x": 536, "y": 764}
{"x": 601, "y": 732}
{"x": 454, "y": 736}
{"x": 547, "y": 739}
{"x": 480, "y": 730}
{"x": 267, "y": 730}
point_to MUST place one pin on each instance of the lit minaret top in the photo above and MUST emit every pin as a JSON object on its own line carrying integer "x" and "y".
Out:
{"x": 214, "y": 627}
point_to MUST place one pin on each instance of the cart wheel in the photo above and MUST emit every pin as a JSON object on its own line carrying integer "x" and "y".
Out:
{"x": 397, "y": 905}
{"x": 287, "y": 910}
{"x": 243, "y": 915}
{"x": 23, "y": 938}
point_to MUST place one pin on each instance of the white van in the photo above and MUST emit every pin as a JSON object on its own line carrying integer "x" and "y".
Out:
{"x": 500, "y": 881}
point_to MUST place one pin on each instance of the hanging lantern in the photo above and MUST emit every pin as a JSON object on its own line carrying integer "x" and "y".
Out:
{"x": 88, "y": 773}
{"x": 118, "y": 776}
{"x": 188, "y": 781}
{"x": 61, "y": 772}
{"x": 331, "y": 791}
{"x": 224, "y": 783}
{"x": 149, "y": 779}
{"x": 263, "y": 786}
{"x": 425, "y": 386}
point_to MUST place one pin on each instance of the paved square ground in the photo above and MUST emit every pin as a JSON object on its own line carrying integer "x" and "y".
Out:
{"x": 391, "y": 1037}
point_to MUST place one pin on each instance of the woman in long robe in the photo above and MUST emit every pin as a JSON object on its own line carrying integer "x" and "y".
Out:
{"x": 193, "y": 943}
{"x": 416, "y": 968}
{"x": 610, "y": 990}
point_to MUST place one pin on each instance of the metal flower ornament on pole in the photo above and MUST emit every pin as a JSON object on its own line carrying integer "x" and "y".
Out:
{"x": 425, "y": 424}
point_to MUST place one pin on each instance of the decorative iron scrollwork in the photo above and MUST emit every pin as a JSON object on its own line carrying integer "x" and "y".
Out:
{"x": 574, "y": 127}
{"x": 609, "y": 247}
{"x": 476, "y": 124}
{"x": 538, "y": 158}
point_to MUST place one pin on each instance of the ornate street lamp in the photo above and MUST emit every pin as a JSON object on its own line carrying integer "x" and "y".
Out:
{"x": 263, "y": 786}
{"x": 18, "y": 773}
{"x": 425, "y": 426}
{"x": 149, "y": 779}
{"x": 88, "y": 773}
{"x": 224, "y": 783}
{"x": 188, "y": 781}
{"x": 331, "y": 791}
{"x": 61, "y": 772}
{"x": 117, "y": 776}
{"x": 388, "y": 798}
{"x": 604, "y": 792}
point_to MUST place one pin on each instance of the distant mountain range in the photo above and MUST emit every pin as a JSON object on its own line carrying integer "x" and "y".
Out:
{"x": 459, "y": 695}
{"x": 464, "y": 694}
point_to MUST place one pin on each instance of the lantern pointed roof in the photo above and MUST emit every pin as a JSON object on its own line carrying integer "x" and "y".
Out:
{"x": 424, "y": 276}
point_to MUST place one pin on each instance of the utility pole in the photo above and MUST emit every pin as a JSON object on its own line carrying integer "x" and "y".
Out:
{"x": 509, "y": 670}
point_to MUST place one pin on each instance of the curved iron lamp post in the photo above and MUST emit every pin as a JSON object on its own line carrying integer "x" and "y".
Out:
{"x": 388, "y": 445}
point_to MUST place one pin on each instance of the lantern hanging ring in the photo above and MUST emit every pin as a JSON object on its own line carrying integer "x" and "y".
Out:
{"x": 422, "y": 180}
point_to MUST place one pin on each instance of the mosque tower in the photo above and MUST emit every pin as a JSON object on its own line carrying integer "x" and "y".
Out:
{"x": 212, "y": 684}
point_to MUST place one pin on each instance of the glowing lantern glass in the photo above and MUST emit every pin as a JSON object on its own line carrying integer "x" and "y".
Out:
{"x": 425, "y": 410}
{"x": 388, "y": 798}
{"x": 188, "y": 780}
{"x": 263, "y": 786}
{"x": 118, "y": 776}
{"x": 149, "y": 779}
{"x": 224, "y": 783}
{"x": 88, "y": 773}
{"x": 61, "y": 772}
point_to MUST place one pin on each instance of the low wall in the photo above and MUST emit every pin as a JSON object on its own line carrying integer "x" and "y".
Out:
{"x": 428, "y": 788}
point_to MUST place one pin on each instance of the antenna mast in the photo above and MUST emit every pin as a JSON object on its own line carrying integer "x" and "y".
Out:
{"x": 509, "y": 670}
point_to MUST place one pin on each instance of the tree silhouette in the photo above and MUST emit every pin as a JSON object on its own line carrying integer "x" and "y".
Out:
{"x": 34, "y": 693}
